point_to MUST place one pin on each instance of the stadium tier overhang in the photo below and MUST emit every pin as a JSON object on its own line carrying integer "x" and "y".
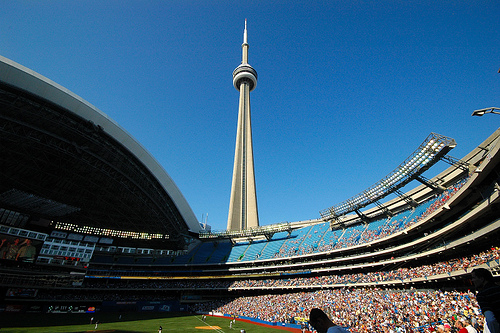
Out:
{"x": 64, "y": 160}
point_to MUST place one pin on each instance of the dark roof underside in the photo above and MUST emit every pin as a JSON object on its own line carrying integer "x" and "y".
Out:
{"x": 53, "y": 154}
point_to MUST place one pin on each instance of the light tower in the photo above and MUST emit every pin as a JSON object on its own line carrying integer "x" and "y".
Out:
{"x": 243, "y": 203}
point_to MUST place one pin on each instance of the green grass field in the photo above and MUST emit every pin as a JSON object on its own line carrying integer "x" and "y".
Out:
{"x": 129, "y": 323}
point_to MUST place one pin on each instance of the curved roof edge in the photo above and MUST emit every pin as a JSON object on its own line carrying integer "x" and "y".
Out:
{"x": 28, "y": 80}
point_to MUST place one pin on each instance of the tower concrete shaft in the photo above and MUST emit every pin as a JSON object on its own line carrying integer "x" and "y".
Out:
{"x": 243, "y": 203}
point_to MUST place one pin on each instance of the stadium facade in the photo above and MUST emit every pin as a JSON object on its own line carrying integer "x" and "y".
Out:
{"x": 100, "y": 221}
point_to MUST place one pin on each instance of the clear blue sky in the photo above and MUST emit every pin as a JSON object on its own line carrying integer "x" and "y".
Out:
{"x": 347, "y": 89}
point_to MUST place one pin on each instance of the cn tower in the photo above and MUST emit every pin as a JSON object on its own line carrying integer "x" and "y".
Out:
{"x": 243, "y": 203}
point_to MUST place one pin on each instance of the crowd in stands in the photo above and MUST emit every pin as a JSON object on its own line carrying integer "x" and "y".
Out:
{"x": 361, "y": 235}
{"x": 441, "y": 267}
{"x": 383, "y": 276}
{"x": 361, "y": 310}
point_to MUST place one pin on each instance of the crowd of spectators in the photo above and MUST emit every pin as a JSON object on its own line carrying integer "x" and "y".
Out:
{"x": 401, "y": 274}
{"x": 361, "y": 310}
{"x": 360, "y": 235}
{"x": 382, "y": 276}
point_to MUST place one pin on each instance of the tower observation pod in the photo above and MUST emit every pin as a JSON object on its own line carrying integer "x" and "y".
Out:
{"x": 243, "y": 203}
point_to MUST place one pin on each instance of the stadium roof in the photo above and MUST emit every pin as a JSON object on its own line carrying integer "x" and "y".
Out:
{"x": 63, "y": 159}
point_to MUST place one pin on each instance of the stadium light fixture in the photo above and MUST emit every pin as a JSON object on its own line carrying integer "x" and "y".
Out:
{"x": 428, "y": 153}
{"x": 482, "y": 112}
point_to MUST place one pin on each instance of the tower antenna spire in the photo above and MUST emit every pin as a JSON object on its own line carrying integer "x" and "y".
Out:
{"x": 245, "y": 40}
{"x": 245, "y": 45}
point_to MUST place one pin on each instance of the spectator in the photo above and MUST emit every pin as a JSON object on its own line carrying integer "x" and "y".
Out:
{"x": 488, "y": 297}
{"x": 12, "y": 249}
{"x": 459, "y": 324}
{"x": 27, "y": 252}
{"x": 321, "y": 323}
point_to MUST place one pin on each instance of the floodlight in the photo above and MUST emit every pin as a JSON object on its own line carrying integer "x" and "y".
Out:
{"x": 430, "y": 151}
{"x": 482, "y": 112}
